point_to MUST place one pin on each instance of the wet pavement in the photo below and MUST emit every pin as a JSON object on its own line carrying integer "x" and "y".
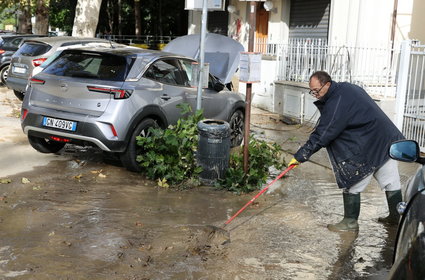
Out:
{"x": 80, "y": 215}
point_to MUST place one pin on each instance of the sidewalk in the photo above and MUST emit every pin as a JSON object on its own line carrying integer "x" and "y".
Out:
{"x": 13, "y": 142}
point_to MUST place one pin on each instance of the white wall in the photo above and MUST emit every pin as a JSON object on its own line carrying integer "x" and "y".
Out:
{"x": 407, "y": 21}
{"x": 278, "y": 30}
{"x": 366, "y": 22}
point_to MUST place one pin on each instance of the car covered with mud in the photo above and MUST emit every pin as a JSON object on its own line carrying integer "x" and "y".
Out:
{"x": 409, "y": 255}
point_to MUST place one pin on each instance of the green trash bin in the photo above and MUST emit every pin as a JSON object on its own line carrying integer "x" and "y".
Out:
{"x": 213, "y": 149}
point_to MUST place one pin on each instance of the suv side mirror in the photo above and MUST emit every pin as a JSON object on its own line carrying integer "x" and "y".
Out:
{"x": 215, "y": 83}
{"x": 218, "y": 86}
{"x": 405, "y": 150}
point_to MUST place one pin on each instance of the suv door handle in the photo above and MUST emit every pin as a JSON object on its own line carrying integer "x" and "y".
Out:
{"x": 165, "y": 97}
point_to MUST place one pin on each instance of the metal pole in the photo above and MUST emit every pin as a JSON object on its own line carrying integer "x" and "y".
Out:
{"x": 402, "y": 82}
{"x": 252, "y": 15}
{"x": 202, "y": 54}
{"x": 393, "y": 27}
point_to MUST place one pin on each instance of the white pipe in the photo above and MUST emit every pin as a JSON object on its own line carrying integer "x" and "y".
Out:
{"x": 202, "y": 54}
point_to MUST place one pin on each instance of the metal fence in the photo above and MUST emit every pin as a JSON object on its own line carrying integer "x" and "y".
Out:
{"x": 372, "y": 68}
{"x": 144, "y": 41}
{"x": 411, "y": 92}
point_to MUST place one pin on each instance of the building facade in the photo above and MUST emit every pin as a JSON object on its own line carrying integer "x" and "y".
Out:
{"x": 354, "y": 40}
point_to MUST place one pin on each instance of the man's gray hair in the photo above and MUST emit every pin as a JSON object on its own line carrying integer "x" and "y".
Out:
{"x": 322, "y": 76}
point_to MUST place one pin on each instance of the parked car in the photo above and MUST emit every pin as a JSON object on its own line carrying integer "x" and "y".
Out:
{"x": 9, "y": 44}
{"x": 409, "y": 255}
{"x": 33, "y": 53}
{"x": 107, "y": 97}
{"x": 59, "y": 50}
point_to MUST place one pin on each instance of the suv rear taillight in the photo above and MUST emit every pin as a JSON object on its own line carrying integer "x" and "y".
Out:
{"x": 118, "y": 93}
{"x": 37, "y": 81}
{"x": 2, "y": 51}
{"x": 60, "y": 139}
{"x": 24, "y": 114}
{"x": 38, "y": 61}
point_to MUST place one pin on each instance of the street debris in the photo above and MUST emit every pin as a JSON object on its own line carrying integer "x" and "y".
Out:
{"x": 163, "y": 183}
{"x": 5, "y": 181}
{"x": 25, "y": 180}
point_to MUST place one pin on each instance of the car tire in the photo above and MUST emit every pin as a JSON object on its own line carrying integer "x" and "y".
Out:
{"x": 19, "y": 94}
{"x": 237, "y": 124}
{"x": 128, "y": 158}
{"x": 3, "y": 74}
{"x": 45, "y": 146}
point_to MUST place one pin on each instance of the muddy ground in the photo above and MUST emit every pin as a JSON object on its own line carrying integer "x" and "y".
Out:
{"x": 80, "y": 215}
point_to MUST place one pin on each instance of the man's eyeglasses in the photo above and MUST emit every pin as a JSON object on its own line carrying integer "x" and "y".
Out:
{"x": 315, "y": 92}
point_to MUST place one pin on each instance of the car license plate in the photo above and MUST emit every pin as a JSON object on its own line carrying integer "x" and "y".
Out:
{"x": 61, "y": 124}
{"x": 19, "y": 70}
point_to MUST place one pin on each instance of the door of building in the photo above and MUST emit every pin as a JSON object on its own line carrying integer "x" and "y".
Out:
{"x": 261, "y": 28}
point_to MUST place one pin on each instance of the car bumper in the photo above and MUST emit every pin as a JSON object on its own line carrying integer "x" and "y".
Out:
{"x": 18, "y": 84}
{"x": 87, "y": 133}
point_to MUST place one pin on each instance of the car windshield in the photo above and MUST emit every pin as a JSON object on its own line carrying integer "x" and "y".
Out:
{"x": 7, "y": 42}
{"x": 33, "y": 49}
{"x": 89, "y": 65}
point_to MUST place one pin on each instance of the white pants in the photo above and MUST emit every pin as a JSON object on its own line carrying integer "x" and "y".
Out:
{"x": 387, "y": 176}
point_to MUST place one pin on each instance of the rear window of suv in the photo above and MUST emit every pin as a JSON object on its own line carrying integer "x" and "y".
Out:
{"x": 89, "y": 65}
{"x": 33, "y": 49}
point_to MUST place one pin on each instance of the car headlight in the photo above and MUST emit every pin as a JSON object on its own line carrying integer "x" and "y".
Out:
{"x": 401, "y": 207}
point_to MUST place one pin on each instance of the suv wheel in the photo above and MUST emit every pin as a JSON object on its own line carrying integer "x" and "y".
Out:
{"x": 45, "y": 146}
{"x": 19, "y": 94}
{"x": 237, "y": 127}
{"x": 128, "y": 158}
{"x": 3, "y": 74}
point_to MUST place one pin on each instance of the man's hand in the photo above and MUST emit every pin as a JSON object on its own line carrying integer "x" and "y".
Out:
{"x": 294, "y": 162}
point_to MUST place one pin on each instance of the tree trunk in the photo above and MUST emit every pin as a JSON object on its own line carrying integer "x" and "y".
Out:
{"x": 86, "y": 18}
{"x": 41, "y": 18}
{"x": 119, "y": 18}
{"x": 160, "y": 18}
{"x": 137, "y": 18}
{"x": 25, "y": 18}
{"x": 113, "y": 9}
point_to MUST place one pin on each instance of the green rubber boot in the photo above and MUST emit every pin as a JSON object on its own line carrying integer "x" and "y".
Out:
{"x": 351, "y": 213}
{"x": 393, "y": 198}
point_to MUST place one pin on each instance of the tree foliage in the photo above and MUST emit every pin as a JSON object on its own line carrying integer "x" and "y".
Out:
{"x": 61, "y": 14}
{"x": 168, "y": 155}
{"x": 157, "y": 17}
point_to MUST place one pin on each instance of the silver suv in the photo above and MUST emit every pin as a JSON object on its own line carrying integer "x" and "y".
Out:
{"x": 107, "y": 97}
{"x": 34, "y": 52}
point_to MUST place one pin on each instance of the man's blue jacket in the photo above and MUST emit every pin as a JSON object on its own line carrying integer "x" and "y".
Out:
{"x": 357, "y": 134}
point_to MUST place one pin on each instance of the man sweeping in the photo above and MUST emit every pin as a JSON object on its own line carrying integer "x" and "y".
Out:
{"x": 357, "y": 135}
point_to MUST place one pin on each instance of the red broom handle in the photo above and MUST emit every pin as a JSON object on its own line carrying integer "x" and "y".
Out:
{"x": 260, "y": 193}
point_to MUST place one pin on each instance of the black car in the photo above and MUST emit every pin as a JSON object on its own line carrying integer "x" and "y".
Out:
{"x": 9, "y": 44}
{"x": 409, "y": 255}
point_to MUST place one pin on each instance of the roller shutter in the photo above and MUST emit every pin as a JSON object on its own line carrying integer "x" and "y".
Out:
{"x": 218, "y": 22}
{"x": 309, "y": 19}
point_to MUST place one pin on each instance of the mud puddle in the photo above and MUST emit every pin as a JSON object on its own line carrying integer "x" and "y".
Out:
{"x": 80, "y": 215}
{"x": 84, "y": 218}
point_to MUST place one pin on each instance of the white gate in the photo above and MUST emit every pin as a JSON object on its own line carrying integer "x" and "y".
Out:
{"x": 411, "y": 92}
{"x": 370, "y": 67}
